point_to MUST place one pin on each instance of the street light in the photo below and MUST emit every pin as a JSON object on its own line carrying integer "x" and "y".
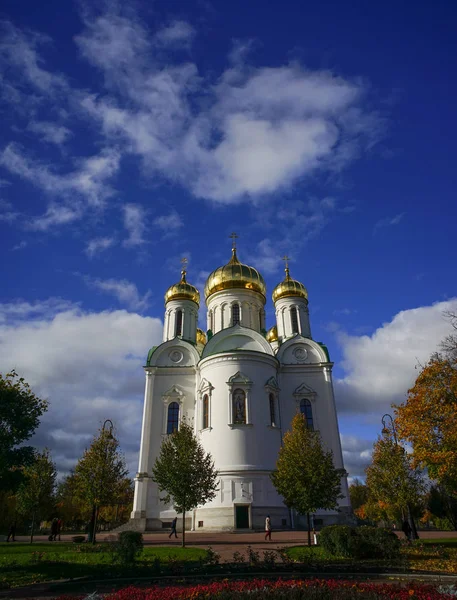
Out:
{"x": 94, "y": 510}
{"x": 397, "y": 445}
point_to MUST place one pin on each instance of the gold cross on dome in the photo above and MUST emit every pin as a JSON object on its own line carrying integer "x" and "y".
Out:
{"x": 286, "y": 259}
{"x": 184, "y": 262}
{"x": 234, "y": 238}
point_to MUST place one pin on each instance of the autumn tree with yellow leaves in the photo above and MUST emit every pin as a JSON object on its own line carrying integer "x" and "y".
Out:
{"x": 428, "y": 420}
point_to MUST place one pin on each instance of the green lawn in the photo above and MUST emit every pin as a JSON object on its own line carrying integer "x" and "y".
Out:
{"x": 23, "y": 564}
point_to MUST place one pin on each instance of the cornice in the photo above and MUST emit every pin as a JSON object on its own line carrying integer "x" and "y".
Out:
{"x": 236, "y": 355}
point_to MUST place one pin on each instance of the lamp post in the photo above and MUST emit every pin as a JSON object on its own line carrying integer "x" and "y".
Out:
{"x": 95, "y": 508}
{"x": 397, "y": 445}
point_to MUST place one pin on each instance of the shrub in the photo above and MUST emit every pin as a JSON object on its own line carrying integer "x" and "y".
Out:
{"x": 269, "y": 559}
{"x": 128, "y": 547}
{"x": 359, "y": 542}
{"x": 335, "y": 539}
{"x": 212, "y": 557}
{"x": 238, "y": 558}
{"x": 253, "y": 557}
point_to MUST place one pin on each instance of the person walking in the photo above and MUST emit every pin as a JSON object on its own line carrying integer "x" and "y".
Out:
{"x": 268, "y": 528}
{"x": 173, "y": 527}
{"x": 53, "y": 535}
{"x": 59, "y": 527}
{"x": 12, "y": 533}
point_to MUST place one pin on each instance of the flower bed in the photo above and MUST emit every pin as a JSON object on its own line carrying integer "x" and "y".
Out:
{"x": 258, "y": 589}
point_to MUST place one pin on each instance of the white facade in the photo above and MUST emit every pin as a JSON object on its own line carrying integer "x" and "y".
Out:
{"x": 241, "y": 393}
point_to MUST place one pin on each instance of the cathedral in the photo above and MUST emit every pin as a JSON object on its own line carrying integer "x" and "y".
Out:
{"x": 240, "y": 386}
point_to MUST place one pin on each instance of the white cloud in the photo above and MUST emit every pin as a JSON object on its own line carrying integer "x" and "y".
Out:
{"x": 22, "y": 244}
{"x": 18, "y": 51}
{"x": 381, "y": 368}
{"x": 259, "y": 130}
{"x": 388, "y": 222}
{"x": 178, "y": 34}
{"x": 122, "y": 289}
{"x": 240, "y": 136}
{"x": 134, "y": 222}
{"x": 169, "y": 223}
{"x": 87, "y": 364}
{"x": 98, "y": 245}
{"x": 88, "y": 180}
{"x": 356, "y": 454}
{"x": 50, "y": 132}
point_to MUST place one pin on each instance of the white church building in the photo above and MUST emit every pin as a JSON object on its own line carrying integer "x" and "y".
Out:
{"x": 240, "y": 387}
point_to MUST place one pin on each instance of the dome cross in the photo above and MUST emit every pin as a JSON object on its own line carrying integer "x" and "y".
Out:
{"x": 286, "y": 259}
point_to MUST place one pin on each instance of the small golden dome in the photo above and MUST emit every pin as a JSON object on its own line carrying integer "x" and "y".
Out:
{"x": 272, "y": 334}
{"x": 183, "y": 291}
{"x": 201, "y": 337}
{"x": 235, "y": 275}
{"x": 289, "y": 288}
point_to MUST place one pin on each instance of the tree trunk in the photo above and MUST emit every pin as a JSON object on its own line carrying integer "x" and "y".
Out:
{"x": 94, "y": 528}
{"x": 33, "y": 527}
{"x": 183, "y": 529}
{"x": 412, "y": 524}
{"x": 309, "y": 529}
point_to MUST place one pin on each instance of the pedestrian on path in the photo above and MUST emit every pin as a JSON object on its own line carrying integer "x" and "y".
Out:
{"x": 12, "y": 533}
{"x": 268, "y": 528}
{"x": 53, "y": 535}
{"x": 173, "y": 527}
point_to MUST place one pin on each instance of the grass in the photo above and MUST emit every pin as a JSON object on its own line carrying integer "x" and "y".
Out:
{"x": 430, "y": 555}
{"x": 24, "y": 564}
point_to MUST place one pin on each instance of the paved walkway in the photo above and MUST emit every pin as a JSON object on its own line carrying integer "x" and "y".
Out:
{"x": 226, "y": 544}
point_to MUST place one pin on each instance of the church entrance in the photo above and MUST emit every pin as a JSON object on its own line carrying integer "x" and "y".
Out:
{"x": 242, "y": 516}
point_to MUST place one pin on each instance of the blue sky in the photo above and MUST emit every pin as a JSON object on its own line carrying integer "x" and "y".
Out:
{"x": 137, "y": 133}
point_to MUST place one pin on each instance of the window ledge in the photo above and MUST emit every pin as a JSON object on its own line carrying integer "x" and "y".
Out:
{"x": 205, "y": 429}
{"x": 273, "y": 427}
{"x": 239, "y": 425}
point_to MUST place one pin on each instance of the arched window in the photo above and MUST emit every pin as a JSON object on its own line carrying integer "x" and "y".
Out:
{"x": 178, "y": 323}
{"x": 272, "y": 410}
{"x": 173, "y": 417}
{"x": 211, "y": 320}
{"x": 260, "y": 320}
{"x": 235, "y": 314}
{"x": 307, "y": 411}
{"x": 239, "y": 406}
{"x": 294, "y": 319}
{"x": 205, "y": 421}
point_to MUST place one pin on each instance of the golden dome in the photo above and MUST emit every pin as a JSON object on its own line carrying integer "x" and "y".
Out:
{"x": 183, "y": 291}
{"x": 289, "y": 288}
{"x": 201, "y": 337}
{"x": 272, "y": 334}
{"x": 235, "y": 275}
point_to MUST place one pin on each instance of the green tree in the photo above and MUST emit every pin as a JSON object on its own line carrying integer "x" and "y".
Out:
{"x": 100, "y": 473}
{"x": 35, "y": 496}
{"x": 305, "y": 475}
{"x": 20, "y": 412}
{"x": 359, "y": 493}
{"x": 442, "y": 504}
{"x": 185, "y": 473}
{"x": 392, "y": 480}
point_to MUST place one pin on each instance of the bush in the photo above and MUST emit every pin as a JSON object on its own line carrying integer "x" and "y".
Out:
{"x": 359, "y": 542}
{"x": 128, "y": 547}
{"x": 335, "y": 539}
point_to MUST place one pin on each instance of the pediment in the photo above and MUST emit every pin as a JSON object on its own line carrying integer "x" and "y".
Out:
{"x": 272, "y": 383}
{"x": 205, "y": 385}
{"x": 304, "y": 390}
{"x": 239, "y": 378}
{"x": 174, "y": 392}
